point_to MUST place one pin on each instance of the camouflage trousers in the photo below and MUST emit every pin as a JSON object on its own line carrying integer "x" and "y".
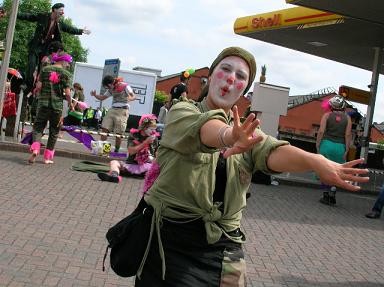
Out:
{"x": 233, "y": 268}
{"x": 43, "y": 116}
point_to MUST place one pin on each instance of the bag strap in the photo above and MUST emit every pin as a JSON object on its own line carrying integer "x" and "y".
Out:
{"x": 105, "y": 257}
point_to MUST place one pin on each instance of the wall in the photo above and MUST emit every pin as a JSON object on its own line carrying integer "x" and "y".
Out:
{"x": 303, "y": 119}
{"x": 194, "y": 87}
{"x": 376, "y": 135}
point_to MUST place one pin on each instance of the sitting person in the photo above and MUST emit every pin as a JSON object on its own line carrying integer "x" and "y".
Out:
{"x": 142, "y": 145}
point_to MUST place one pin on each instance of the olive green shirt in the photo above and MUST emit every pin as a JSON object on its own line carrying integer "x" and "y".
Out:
{"x": 52, "y": 94}
{"x": 185, "y": 186}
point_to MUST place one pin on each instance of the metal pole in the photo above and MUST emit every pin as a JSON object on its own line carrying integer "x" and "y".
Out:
{"x": 20, "y": 104}
{"x": 7, "y": 52}
{"x": 378, "y": 58}
{"x": 3, "y": 125}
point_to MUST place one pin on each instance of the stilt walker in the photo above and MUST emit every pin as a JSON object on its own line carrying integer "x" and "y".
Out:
{"x": 55, "y": 87}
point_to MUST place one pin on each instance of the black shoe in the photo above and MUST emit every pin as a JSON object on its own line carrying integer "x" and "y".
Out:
{"x": 332, "y": 200}
{"x": 247, "y": 195}
{"x": 325, "y": 199}
{"x": 107, "y": 177}
{"x": 373, "y": 214}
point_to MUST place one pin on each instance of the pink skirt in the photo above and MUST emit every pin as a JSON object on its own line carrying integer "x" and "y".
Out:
{"x": 135, "y": 168}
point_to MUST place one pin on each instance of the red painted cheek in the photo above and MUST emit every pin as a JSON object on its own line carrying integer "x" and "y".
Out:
{"x": 240, "y": 86}
{"x": 220, "y": 75}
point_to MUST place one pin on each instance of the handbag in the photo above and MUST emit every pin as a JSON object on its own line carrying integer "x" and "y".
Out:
{"x": 9, "y": 105}
{"x": 128, "y": 240}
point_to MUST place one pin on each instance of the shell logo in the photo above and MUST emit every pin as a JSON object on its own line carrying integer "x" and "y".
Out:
{"x": 261, "y": 22}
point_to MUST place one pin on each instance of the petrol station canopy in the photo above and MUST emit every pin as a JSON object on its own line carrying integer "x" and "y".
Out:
{"x": 346, "y": 31}
{"x": 348, "y": 37}
{"x": 367, "y": 10}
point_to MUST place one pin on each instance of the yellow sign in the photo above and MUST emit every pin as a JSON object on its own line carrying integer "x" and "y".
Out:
{"x": 261, "y": 22}
{"x": 355, "y": 95}
{"x": 291, "y": 17}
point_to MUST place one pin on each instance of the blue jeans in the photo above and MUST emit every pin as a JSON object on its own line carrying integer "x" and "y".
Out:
{"x": 378, "y": 207}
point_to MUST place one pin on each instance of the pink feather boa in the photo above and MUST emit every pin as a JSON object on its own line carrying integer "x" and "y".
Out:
{"x": 151, "y": 176}
{"x": 62, "y": 58}
{"x": 325, "y": 105}
{"x": 54, "y": 77}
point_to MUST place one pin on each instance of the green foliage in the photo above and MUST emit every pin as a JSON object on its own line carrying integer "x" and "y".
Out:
{"x": 24, "y": 31}
{"x": 263, "y": 70}
{"x": 161, "y": 96}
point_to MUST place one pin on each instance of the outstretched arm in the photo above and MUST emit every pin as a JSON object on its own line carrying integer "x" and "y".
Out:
{"x": 292, "y": 159}
{"x": 86, "y": 31}
{"x": 237, "y": 138}
{"x": 31, "y": 17}
{"x": 286, "y": 158}
{"x": 99, "y": 97}
{"x": 73, "y": 30}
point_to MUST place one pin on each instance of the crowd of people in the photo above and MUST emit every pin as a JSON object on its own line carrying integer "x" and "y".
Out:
{"x": 204, "y": 161}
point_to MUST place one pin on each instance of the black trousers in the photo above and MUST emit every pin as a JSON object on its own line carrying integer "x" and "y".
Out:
{"x": 34, "y": 57}
{"x": 190, "y": 261}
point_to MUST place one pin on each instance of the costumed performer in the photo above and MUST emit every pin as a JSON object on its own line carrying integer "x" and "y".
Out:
{"x": 206, "y": 159}
{"x": 142, "y": 146}
{"x": 55, "y": 87}
{"x": 334, "y": 138}
{"x": 49, "y": 26}
{"x": 117, "y": 116}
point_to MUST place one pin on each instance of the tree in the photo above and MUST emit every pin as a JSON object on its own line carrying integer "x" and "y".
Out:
{"x": 263, "y": 73}
{"x": 24, "y": 32}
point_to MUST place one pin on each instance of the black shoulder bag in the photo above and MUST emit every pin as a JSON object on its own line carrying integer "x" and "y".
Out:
{"x": 128, "y": 240}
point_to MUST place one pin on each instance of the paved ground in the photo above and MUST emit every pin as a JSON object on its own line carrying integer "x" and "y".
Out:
{"x": 53, "y": 222}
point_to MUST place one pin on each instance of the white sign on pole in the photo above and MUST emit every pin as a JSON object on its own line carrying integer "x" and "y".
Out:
{"x": 111, "y": 68}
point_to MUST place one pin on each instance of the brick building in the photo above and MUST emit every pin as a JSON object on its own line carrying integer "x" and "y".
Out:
{"x": 304, "y": 112}
{"x": 197, "y": 82}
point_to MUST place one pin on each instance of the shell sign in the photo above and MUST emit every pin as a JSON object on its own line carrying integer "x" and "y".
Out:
{"x": 263, "y": 22}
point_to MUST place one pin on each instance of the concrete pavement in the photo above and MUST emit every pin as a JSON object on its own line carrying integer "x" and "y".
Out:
{"x": 53, "y": 222}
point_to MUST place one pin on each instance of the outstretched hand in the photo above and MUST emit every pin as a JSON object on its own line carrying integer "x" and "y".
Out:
{"x": 86, "y": 31}
{"x": 341, "y": 175}
{"x": 243, "y": 135}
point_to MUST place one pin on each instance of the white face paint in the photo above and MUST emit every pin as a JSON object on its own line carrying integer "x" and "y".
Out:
{"x": 227, "y": 83}
{"x": 150, "y": 131}
{"x": 59, "y": 12}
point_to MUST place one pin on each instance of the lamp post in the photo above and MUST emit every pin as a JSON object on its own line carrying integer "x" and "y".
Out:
{"x": 7, "y": 52}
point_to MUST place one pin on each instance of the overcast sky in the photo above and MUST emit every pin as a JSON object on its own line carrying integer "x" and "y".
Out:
{"x": 174, "y": 35}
